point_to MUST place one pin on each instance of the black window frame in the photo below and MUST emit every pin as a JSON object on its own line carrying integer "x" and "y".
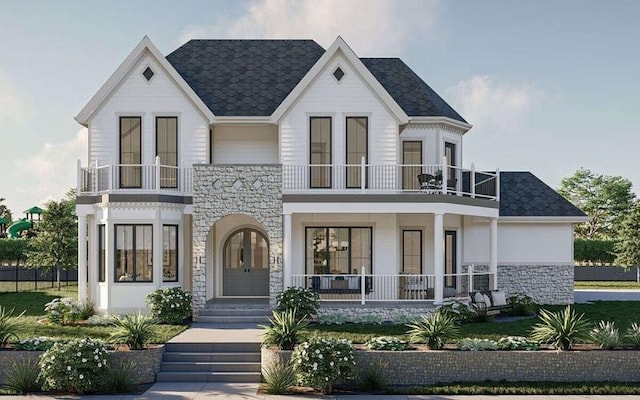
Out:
{"x": 177, "y": 272}
{"x": 329, "y": 184}
{"x": 135, "y": 248}
{"x": 135, "y": 169}
{"x": 420, "y": 247}
{"x": 366, "y": 154}
{"x": 166, "y": 173}
{"x": 328, "y": 258}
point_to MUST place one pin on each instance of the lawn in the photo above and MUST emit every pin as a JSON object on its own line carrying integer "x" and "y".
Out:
{"x": 622, "y": 312}
{"x": 33, "y": 302}
{"x": 606, "y": 285}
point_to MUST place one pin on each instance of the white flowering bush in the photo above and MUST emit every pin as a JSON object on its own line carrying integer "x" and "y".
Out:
{"x": 73, "y": 366}
{"x": 41, "y": 343}
{"x": 320, "y": 363}
{"x": 304, "y": 301}
{"x": 475, "y": 344}
{"x": 62, "y": 311}
{"x": 457, "y": 310}
{"x": 517, "y": 343}
{"x": 169, "y": 305}
{"x": 387, "y": 343}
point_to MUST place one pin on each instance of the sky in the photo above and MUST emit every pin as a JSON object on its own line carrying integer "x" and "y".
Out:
{"x": 550, "y": 86}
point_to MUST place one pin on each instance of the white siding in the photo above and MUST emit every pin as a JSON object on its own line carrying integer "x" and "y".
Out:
{"x": 137, "y": 97}
{"x": 349, "y": 97}
{"x": 245, "y": 145}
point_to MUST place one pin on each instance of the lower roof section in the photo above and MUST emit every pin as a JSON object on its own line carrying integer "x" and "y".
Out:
{"x": 134, "y": 198}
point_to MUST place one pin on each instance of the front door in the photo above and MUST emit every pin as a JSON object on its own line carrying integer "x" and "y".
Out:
{"x": 245, "y": 270}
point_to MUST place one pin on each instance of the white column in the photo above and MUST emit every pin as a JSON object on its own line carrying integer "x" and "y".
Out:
{"x": 493, "y": 252}
{"x": 286, "y": 250}
{"x": 82, "y": 259}
{"x": 438, "y": 255}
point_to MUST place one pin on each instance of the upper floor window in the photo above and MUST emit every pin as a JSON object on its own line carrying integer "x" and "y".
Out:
{"x": 320, "y": 152}
{"x": 130, "y": 152}
{"x": 357, "y": 146}
{"x": 167, "y": 150}
{"x": 412, "y": 164}
{"x": 450, "y": 154}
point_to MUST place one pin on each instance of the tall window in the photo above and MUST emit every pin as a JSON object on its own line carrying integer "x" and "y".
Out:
{"x": 338, "y": 250}
{"x": 412, "y": 161}
{"x": 134, "y": 253}
{"x": 320, "y": 152}
{"x": 101, "y": 253}
{"x": 247, "y": 249}
{"x": 412, "y": 251}
{"x": 450, "y": 262}
{"x": 450, "y": 153}
{"x": 130, "y": 152}
{"x": 167, "y": 150}
{"x": 169, "y": 253}
{"x": 357, "y": 145}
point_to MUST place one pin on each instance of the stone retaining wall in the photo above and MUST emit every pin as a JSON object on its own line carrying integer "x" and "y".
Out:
{"x": 430, "y": 367}
{"x": 394, "y": 312}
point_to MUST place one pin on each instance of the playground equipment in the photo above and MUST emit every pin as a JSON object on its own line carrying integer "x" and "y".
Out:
{"x": 3, "y": 227}
{"x": 24, "y": 224}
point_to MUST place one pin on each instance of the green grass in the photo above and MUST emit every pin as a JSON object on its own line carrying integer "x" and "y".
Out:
{"x": 622, "y": 312}
{"x": 606, "y": 285}
{"x": 33, "y": 303}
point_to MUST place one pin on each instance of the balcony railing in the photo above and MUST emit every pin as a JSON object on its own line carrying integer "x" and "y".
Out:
{"x": 372, "y": 178}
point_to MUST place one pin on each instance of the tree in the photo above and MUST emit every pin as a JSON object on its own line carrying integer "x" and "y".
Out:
{"x": 5, "y": 212}
{"x": 628, "y": 247}
{"x": 605, "y": 199}
{"x": 56, "y": 243}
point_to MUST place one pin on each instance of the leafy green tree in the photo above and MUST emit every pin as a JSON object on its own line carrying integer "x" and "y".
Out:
{"x": 56, "y": 243}
{"x": 5, "y": 212}
{"x": 605, "y": 199}
{"x": 628, "y": 247}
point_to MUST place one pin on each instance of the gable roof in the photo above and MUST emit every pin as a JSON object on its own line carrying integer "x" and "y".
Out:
{"x": 415, "y": 97}
{"x": 522, "y": 194}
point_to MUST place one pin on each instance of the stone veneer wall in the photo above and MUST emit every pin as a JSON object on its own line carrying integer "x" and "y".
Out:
{"x": 546, "y": 284}
{"x": 392, "y": 312}
{"x": 221, "y": 190}
{"x": 442, "y": 366}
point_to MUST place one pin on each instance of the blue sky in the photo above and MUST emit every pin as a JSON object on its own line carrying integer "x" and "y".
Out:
{"x": 550, "y": 86}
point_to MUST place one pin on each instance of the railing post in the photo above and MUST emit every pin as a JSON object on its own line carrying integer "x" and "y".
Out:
{"x": 110, "y": 174}
{"x": 444, "y": 174}
{"x": 157, "y": 173}
{"x": 470, "y": 271}
{"x": 363, "y": 283}
{"x": 472, "y": 180}
{"x": 363, "y": 174}
{"x": 79, "y": 176}
{"x": 497, "y": 184}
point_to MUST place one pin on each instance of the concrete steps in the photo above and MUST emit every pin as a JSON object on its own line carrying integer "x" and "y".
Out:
{"x": 224, "y": 311}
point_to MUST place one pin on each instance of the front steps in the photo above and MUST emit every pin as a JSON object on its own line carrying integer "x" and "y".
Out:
{"x": 210, "y": 362}
{"x": 232, "y": 311}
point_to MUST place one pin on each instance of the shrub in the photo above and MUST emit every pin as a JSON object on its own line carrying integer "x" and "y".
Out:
{"x": 387, "y": 343}
{"x": 63, "y": 311}
{"x": 42, "y": 343}
{"x": 598, "y": 251}
{"x": 87, "y": 310}
{"x": 305, "y": 301}
{"x": 474, "y": 344}
{"x": 521, "y": 305}
{"x": 133, "y": 330}
{"x": 633, "y": 334}
{"x": 320, "y": 363}
{"x": 279, "y": 378}
{"x": 606, "y": 335}
{"x": 368, "y": 319}
{"x": 117, "y": 378}
{"x": 284, "y": 329}
{"x": 459, "y": 311}
{"x": 169, "y": 305}
{"x": 99, "y": 320}
{"x": 333, "y": 319}
{"x": 480, "y": 313}
{"x": 561, "y": 329}
{"x": 435, "y": 329}
{"x": 22, "y": 377}
{"x": 517, "y": 343}
{"x": 373, "y": 377}
{"x": 73, "y": 366}
{"x": 9, "y": 325}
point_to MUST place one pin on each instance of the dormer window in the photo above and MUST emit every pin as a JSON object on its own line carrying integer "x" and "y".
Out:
{"x": 338, "y": 74}
{"x": 148, "y": 73}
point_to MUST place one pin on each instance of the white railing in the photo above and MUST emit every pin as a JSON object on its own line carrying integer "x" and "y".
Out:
{"x": 134, "y": 177}
{"x": 401, "y": 287}
{"x": 375, "y": 178}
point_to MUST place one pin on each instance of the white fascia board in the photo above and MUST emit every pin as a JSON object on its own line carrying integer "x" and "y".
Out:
{"x": 340, "y": 45}
{"x": 542, "y": 219}
{"x": 123, "y": 70}
{"x": 387, "y": 208}
{"x": 441, "y": 120}
{"x": 244, "y": 120}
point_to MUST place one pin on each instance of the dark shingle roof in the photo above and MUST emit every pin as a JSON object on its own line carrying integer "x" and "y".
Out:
{"x": 244, "y": 77}
{"x": 522, "y": 194}
{"x": 411, "y": 93}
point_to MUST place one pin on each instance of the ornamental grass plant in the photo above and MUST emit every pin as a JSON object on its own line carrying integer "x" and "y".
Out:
{"x": 134, "y": 330}
{"x": 284, "y": 329}
{"x": 436, "y": 330}
{"x": 561, "y": 329}
{"x": 10, "y": 325}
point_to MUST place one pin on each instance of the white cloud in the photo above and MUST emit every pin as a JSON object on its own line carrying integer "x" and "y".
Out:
{"x": 12, "y": 108}
{"x": 371, "y": 27}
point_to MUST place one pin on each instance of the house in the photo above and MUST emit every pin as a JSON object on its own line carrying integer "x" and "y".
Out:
{"x": 235, "y": 168}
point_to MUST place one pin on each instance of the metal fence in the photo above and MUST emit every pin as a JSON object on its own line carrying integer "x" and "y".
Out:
{"x": 17, "y": 278}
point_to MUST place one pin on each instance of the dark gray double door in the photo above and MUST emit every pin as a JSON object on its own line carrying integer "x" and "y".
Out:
{"x": 245, "y": 270}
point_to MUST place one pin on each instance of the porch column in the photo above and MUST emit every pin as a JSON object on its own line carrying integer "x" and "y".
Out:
{"x": 286, "y": 250}
{"x": 493, "y": 252}
{"x": 82, "y": 259}
{"x": 438, "y": 256}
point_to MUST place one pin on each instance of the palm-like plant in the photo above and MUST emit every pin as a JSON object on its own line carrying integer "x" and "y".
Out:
{"x": 133, "y": 330}
{"x": 9, "y": 325}
{"x": 606, "y": 335}
{"x": 561, "y": 329}
{"x": 284, "y": 329}
{"x": 435, "y": 329}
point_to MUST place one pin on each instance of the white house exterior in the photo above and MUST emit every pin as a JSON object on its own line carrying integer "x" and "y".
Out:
{"x": 235, "y": 168}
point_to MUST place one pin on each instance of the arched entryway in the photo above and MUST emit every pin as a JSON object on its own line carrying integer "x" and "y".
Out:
{"x": 245, "y": 263}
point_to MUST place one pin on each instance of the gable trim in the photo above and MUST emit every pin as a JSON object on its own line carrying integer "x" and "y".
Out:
{"x": 465, "y": 127}
{"x": 109, "y": 87}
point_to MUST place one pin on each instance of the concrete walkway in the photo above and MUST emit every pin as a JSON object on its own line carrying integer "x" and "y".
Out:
{"x": 221, "y": 333}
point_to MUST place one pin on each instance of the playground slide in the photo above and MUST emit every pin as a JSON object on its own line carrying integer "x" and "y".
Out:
{"x": 17, "y": 227}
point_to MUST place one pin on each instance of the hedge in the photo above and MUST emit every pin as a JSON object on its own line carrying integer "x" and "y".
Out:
{"x": 13, "y": 249}
{"x": 596, "y": 251}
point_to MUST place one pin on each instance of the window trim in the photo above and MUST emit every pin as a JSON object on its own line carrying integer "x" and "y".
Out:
{"x": 328, "y": 258}
{"x": 346, "y": 152}
{"x": 177, "y": 252}
{"x": 135, "y": 248}
{"x": 330, "y": 183}
{"x": 421, "y": 249}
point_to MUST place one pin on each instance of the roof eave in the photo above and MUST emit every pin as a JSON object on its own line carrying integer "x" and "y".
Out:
{"x": 441, "y": 120}
{"x": 544, "y": 219}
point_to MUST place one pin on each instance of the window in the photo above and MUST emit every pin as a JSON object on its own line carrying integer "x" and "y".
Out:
{"x": 167, "y": 150}
{"x": 148, "y": 73}
{"x": 320, "y": 152}
{"x": 450, "y": 153}
{"x": 338, "y": 73}
{"x": 412, "y": 164}
{"x": 246, "y": 249}
{"x": 134, "y": 253}
{"x": 101, "y": 253}
{"x": 450, "y": 262}
{"x": 130, "y": 152}
{"x": 412, "y": 251}
{"x": 357, "y": 146}
{"x": 338, "y": 250}
{"x": 169, "y": 253}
